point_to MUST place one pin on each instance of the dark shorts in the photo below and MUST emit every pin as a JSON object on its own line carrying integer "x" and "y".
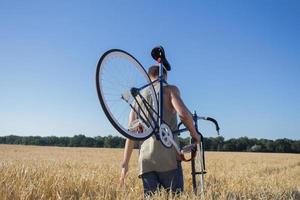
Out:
{"x": 169, "y": 180}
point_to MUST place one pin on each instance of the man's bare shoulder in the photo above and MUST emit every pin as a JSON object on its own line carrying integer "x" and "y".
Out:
{"x": 173, "y": 89}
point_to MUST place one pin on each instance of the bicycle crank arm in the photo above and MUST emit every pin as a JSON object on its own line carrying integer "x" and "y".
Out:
{"x": 189, "y": 148}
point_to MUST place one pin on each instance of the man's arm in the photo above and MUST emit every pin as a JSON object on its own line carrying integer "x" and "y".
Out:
{"x": 184, "y": 114}
{"x": 129, "y": 145}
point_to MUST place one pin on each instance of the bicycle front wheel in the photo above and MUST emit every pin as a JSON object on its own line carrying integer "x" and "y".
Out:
{"x": 117, "y": 73}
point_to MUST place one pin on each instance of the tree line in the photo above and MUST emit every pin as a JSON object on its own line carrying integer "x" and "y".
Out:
{"x": 242, "y": 144}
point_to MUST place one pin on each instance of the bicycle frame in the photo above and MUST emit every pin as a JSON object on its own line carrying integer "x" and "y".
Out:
{"x": 161, "y": 94}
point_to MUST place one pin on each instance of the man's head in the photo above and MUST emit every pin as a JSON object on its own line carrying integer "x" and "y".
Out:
{"x": 153, "y": 72}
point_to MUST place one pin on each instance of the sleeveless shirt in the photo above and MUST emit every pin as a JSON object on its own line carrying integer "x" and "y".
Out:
{"x": 154, "y": 156}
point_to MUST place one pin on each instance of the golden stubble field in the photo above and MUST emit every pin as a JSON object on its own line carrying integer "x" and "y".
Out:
{"x": 30, "y": 172}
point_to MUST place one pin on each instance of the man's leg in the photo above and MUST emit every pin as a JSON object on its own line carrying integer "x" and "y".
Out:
{"x": 172, "y": 179}
{"x": 150, "y": 183}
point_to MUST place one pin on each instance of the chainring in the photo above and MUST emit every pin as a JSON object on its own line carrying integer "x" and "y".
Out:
{"x": 165, "y": 134}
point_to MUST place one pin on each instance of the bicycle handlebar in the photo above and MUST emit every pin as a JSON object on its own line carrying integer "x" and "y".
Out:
{"x": 215, "y": 122}
{"x": 208, "y": 119}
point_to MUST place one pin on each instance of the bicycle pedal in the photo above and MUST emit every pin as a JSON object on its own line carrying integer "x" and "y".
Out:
{"x": 189, "y": 148}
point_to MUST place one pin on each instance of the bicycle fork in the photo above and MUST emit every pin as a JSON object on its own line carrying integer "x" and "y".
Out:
{"x": 200, "y": 154}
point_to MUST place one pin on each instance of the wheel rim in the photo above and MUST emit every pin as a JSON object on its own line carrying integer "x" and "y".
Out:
{"x": 117, "y": 73}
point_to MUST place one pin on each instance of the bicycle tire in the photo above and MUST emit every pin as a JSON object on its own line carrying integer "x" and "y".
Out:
{"x": 121, "y": 127}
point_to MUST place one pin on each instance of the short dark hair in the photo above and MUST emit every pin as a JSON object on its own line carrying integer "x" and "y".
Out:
{"x": 153, "y": 71}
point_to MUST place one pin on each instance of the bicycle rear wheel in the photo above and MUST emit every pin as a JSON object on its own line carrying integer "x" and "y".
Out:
{"x": 117, "y": 73}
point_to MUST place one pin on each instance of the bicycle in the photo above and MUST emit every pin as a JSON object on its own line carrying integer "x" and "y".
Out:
{"x": 120, "y": 93}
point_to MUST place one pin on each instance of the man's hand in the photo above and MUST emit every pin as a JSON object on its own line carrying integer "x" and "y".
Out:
{"x": 196, "y": 137}
{"x": 124, "y": 170}
{"x": 140, "y": 128}
{"x": 124, "y": 166}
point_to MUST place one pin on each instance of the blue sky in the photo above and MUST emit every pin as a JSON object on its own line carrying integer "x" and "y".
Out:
{"x": 237, "y": 61}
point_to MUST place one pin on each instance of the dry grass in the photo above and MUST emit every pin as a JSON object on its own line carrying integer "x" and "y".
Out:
{"x": 28, "y": 172}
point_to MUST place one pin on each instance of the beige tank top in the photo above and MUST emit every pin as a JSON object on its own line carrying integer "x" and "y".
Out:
{"x": 153, "y": 155}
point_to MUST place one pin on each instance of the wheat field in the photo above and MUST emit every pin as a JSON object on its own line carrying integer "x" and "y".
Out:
{"x": 31, "y": 172}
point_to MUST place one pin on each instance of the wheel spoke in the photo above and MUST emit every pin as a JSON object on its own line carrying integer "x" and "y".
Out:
{"x": 118, "y": 72}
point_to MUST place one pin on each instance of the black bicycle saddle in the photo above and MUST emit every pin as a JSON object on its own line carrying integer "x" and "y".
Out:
{"x": 159, "y": 52}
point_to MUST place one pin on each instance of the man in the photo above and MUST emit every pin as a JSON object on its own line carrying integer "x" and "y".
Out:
{"x": 160, "y": 166}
